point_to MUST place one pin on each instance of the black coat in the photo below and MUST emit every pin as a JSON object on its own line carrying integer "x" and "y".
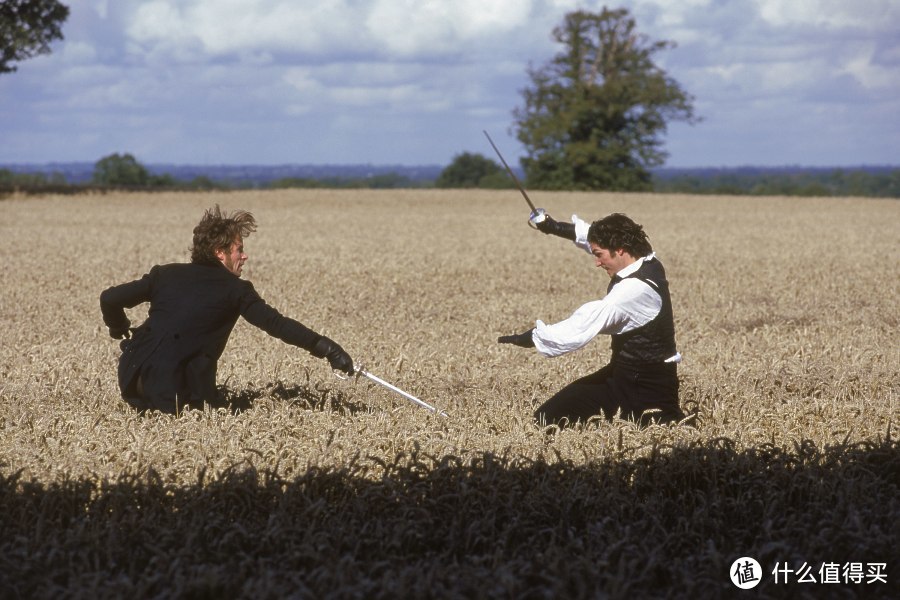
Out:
{"x": 193, "y": 308}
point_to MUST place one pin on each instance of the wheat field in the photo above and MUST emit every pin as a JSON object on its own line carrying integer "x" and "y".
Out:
{"x": 304, "y": 485}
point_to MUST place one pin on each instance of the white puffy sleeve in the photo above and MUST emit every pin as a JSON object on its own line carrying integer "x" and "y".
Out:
{"x": 629, "y": 305}
{"x": 581, "y": 233}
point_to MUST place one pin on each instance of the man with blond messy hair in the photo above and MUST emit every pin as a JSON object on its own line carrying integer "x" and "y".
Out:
{"x": 170, "y": 360}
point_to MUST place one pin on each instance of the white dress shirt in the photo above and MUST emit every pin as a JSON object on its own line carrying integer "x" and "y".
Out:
{"x": 630, "y": 304}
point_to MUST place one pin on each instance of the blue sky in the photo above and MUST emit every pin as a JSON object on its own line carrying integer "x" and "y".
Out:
{"x": 413, "y": 82}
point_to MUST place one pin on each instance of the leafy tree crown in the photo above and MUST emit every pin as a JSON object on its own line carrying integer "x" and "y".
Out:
{"x": 594, "y": 116}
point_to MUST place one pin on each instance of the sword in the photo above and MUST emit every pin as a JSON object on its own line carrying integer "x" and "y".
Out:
{"x": 393, "y": 388}
{"x": 537, "y": 214}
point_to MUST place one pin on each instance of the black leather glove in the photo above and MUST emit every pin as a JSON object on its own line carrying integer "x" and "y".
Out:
{"x": 563, "y": 230}
{"x": 337, "y": 357}
{"x": 121, "y": 332}
{"x": 520, "y": 339}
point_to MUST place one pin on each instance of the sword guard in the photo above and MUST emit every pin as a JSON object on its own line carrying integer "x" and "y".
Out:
{"x": 538, "y": 215}
{"x": 340, "y": 374}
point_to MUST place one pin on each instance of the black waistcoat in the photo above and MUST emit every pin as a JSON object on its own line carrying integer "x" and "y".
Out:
{"x": 654, "y": 342}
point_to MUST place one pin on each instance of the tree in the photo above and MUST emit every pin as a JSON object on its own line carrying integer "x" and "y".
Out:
{"x": 594, "y": 115}
{"x": 469, "y": 171}
{"x": 204, "y": 182}
{"x": 496, "y": 181}
{"x": 26, "y": 29}
{"x": 120, "y": 169}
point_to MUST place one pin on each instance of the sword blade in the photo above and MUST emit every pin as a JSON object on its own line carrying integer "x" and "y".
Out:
{"x": 406, "y": 395}
{"x": 510, "y": 171}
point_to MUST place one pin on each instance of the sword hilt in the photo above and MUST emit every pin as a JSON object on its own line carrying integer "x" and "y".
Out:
{"x": 341, "y": 375}
{"x": 538, "y": 215}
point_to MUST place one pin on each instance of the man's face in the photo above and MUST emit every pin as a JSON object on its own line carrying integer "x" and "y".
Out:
{"x": 233, "y": 258}
{"x": 611, "y": 261}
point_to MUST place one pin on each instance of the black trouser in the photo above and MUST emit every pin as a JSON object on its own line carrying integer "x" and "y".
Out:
{"x": 613, "y": 388}
{"x": 193, "y": 384}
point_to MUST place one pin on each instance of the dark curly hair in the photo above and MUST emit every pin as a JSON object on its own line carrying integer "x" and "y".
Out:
{"x": 617, "y": 231}
{"x": 217, "y": 231}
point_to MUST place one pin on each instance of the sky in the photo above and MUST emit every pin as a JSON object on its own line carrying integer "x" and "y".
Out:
{"x": 415, "y": 82}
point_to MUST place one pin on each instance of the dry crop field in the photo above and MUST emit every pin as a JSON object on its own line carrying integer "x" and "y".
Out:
{"x": 308, "y": 486}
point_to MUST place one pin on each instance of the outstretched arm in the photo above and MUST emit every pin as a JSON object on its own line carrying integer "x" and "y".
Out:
{"x": 524, "y": 339}
{"x": 260, "y": 314}
{"x": 337, "y": 356}
{"x": 629, "y": 305}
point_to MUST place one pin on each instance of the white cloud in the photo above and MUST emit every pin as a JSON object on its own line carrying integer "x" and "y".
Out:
{"x": 387, "y": 27}
{"x": 302, "y": 80}
{"x": 409, "y": 27}
{"x": 358, "y": 96}
{"x": 160, "y": 21}
{"x": 862, "y": 68}
{"x": 122, "y": 94}
{"x": 834, "y": 14}
{"x": 237, "y": 26}
{"x": 102, "y": 8}
{"x": 79, "y": 52}
{"x": 380, "y": 88}
{"x": 344, "y": 74}
{"x": 674, "y": 13}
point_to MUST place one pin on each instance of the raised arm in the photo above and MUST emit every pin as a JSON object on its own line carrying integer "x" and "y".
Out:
{"x": 576, "y": 231}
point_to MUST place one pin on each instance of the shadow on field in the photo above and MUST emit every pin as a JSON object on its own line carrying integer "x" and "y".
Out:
{"x": 312, "y": 398}
{"x": 668, "y": 524}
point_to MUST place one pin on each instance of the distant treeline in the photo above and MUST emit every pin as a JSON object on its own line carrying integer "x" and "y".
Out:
{"x": 376, "y": 182}
{"x": 881, "y": 182}
{"x": 40, "y": 183}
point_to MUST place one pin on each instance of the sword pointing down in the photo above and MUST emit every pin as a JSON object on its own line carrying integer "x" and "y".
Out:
{"x": 379, "y": 381}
